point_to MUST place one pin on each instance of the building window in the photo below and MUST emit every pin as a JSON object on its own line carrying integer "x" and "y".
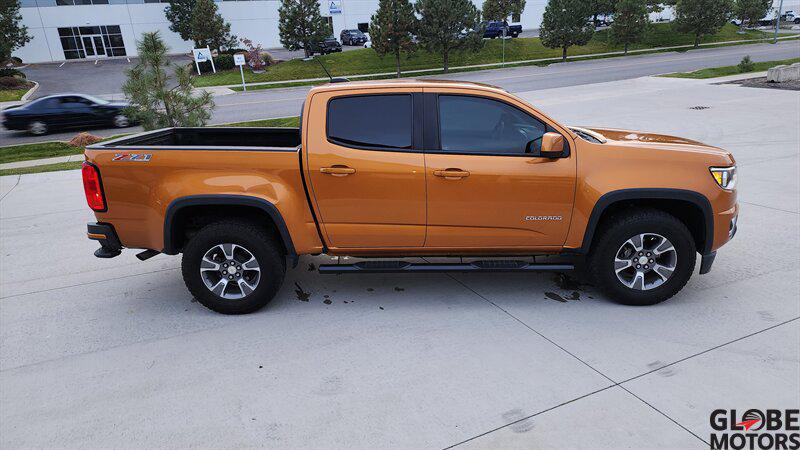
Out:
{"x": 363, "y": 27}
{"x": 92, "y": 42}
{"x": 81, "y": 2}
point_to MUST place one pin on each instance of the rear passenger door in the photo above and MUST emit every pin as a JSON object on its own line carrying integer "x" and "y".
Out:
{"x": 488, "y": 186}
{"x": 366, "y": 169}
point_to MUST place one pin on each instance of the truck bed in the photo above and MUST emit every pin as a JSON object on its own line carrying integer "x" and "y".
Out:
{"x": 221, "y": 138}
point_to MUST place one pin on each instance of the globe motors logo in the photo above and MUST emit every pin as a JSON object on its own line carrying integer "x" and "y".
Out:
{"x": 777, "y": 429}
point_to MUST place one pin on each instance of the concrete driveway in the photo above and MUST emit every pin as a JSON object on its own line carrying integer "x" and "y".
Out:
{"x": 114, "y": 353}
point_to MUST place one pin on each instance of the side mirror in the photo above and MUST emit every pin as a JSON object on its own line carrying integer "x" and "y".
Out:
{"x": 552, "y": 145}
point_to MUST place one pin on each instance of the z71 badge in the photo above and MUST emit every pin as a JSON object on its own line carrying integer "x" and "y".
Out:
{"x": 140, "y": 157}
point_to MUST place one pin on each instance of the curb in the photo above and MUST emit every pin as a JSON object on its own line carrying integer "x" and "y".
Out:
{"x": 511, "y": 63}
{"x": 30, "y": 92}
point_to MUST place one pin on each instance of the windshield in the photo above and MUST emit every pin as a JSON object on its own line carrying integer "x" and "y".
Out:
{"x": 94, "y": 99}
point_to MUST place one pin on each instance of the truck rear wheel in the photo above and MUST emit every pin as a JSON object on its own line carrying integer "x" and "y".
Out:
{"x": 233, "y": 267}
{"x": 642, "y": 258}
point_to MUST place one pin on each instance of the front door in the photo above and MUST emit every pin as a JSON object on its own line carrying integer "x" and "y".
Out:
{"x": 367, "y": 178}
{"x": 93, "y": 46}
{"x": 488, "y": 188}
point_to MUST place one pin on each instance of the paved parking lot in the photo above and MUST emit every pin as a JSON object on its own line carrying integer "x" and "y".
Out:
{"x": 114, "y": 353}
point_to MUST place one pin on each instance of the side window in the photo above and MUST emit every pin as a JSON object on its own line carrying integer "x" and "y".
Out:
{"x": 485, "y": 126}
{"x": 371, "y": 121}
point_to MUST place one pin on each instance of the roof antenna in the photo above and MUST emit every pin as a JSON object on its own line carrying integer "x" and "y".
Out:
{"x": 333, "y": 80}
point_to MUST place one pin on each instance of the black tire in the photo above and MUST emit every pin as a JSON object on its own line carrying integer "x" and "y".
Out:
{"x": 616, "y": 231}
{"x": 258, "y": 242}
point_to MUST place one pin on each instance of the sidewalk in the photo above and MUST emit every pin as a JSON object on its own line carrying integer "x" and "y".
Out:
{"x": 40, "y": 162}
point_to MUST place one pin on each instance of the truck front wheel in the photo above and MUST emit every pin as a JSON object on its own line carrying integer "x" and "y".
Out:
{"x": 233, "y": 267}
{"x": 642, "y": 258}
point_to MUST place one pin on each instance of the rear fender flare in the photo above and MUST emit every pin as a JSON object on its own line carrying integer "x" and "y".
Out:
{"x": 227, "y": 200}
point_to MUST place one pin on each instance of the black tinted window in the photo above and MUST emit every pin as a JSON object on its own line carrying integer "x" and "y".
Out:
{"x": 371, "y": 121}
{"x": 481, "y": 125}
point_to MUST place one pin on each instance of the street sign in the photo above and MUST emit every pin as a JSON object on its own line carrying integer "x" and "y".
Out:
{"x": 238, "y": 59}
{"x": 203, "y": 55}
{"x": 334, "y": 6}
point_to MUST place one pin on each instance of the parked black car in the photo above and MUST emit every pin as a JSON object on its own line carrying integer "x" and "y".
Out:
{"x": 352, "y": 37}
{"x": 495, "y": 29}
{"x": 329, "y": 45}
{"x": 65, "y": 111}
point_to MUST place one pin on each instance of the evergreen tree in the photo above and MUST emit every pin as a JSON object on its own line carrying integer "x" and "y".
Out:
{"x": 391, "y": 29}
{"x": 751, "y": 11}
{"x": 209, "y": 29}
{"x": 566, "y": 23}
{"x": 179, "y": 14}
{"x": 12, "y": 34}
{"x": 702, "y": 17}
{"x": 153, "y": 102}
{"x": 448, "y": 26}
{"x": 501, "y": 9}
{"x": 301, "y": 24}
{"x": 630, "y": 22}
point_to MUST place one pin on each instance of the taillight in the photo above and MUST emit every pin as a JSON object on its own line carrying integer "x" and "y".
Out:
{"x": 93, "y": 187}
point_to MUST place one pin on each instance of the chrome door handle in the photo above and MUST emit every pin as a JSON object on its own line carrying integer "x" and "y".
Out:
{"x": 338, "y": 171}
{"x": 451, "y": 174}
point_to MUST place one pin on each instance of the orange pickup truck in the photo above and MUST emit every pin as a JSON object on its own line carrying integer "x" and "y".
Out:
{"x": 399, "y": 169}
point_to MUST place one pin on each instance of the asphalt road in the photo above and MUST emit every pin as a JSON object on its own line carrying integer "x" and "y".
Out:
{"x": 269, "y": 103}
{"x": 99, "y": 353}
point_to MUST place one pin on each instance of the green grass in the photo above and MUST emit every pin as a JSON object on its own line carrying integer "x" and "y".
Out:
{"x": 366, "y": 61}
{"x": 280, "y": 122}
{"x": 40, "y": 150}
{"x": 72, "y": 165}
{"x": 714, "y": 72}
{"x": 12, "y": 95}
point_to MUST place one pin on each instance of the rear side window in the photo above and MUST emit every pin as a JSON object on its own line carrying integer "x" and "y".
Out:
{"x": 371, "y": 121}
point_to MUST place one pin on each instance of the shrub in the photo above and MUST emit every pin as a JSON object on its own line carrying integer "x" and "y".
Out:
{"x": 224, "y": 62}
{"x": 10, "y": 72}
{"x": 746, "y": 65}
{"x": 221, "y": 62}
{"x": 254, "y": 55}
{"x": 12, "y": 83}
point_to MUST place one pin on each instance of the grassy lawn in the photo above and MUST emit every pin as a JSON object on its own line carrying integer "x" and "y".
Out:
{"x": 714, "y": 72}
{"x": 366, "y": 61}
{"x": 41, "y": 150}
{"x": 12, "y": 95}
{"x": 46, "y": 168}
{"x": 280, "y": 122}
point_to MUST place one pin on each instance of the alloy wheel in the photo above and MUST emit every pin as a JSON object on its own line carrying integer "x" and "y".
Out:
{"x": 645, "y": 261}
{"x": 230, "y": 271}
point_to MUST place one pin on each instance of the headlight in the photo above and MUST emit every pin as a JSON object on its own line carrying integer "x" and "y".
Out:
{"x": 724, "y": 176}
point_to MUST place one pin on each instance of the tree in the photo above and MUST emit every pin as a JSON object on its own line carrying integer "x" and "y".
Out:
{"x": 179, "y": 14}
{"x": 152, "y": 101}
{"x": 391, "y": 29}
{"x": 601, "y": 7}
{"x": 448, "y": 26}
{"x": 630, "y": 22}
{"x": 301, "y": 24}
{"x": 12, "y": 34}
{"x": 209, "y": 29}
{"x": 566, "y": 23}
{"x": 751, "y": 11}
{"x": 501, "y": 9}
{"x": 702, "y": 17}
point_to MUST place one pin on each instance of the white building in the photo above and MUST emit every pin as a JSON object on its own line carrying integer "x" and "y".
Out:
{"x": 74, "y": 29}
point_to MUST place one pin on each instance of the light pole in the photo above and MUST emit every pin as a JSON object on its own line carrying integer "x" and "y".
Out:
{"x": 778, "y": 21}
